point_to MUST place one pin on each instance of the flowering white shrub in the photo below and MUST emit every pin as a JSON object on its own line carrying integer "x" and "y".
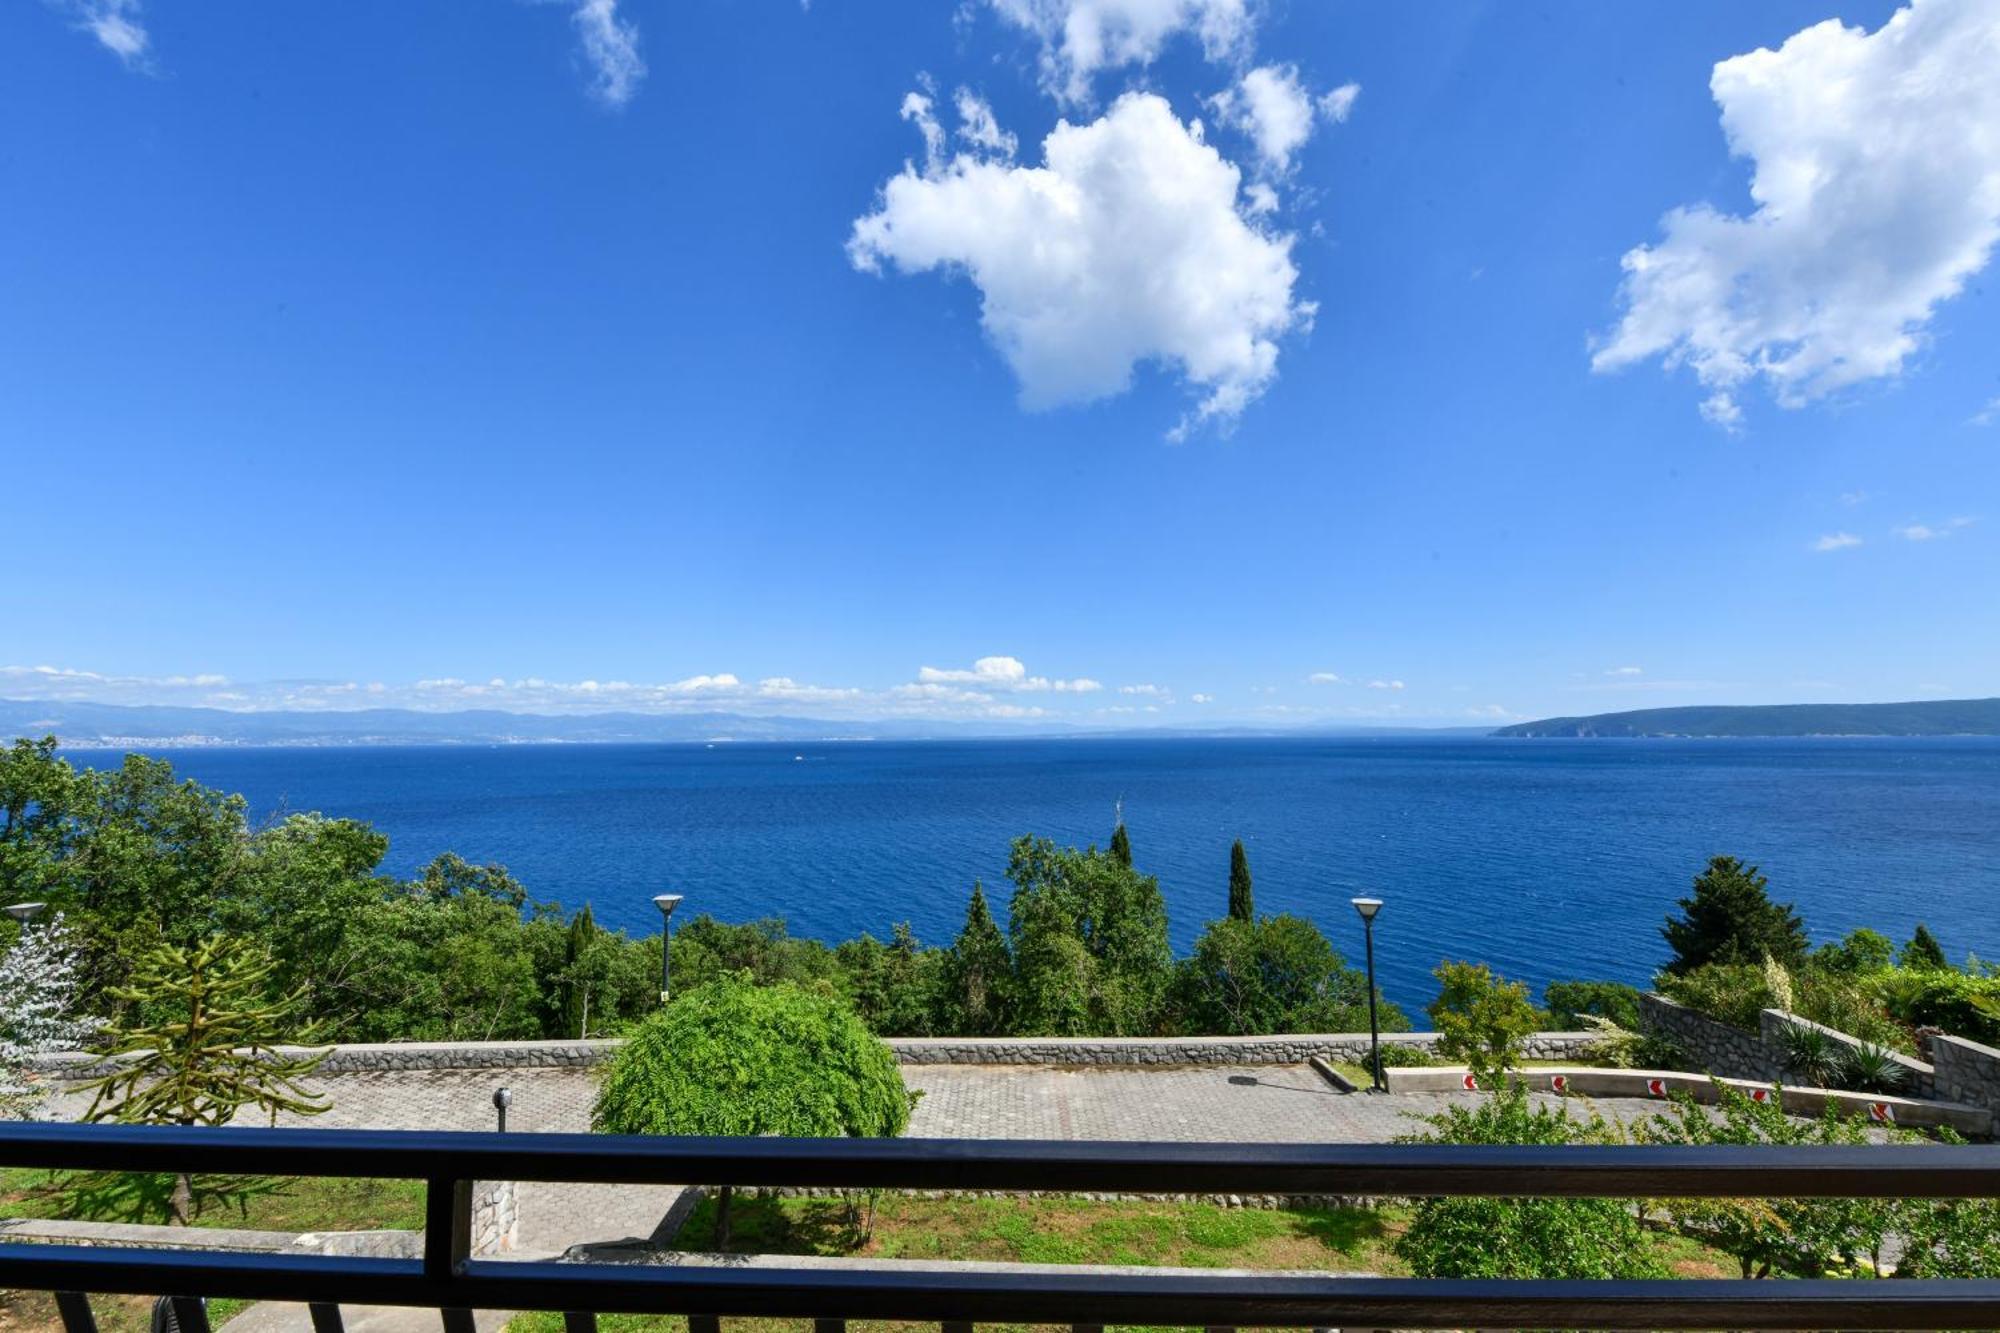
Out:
{"x": 38, "y": 988}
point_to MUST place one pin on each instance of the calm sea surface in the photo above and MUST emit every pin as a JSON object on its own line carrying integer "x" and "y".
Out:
{"x": 1546, "y": 858}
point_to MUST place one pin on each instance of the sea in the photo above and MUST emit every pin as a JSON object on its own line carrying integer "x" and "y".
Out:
{"x": 1545, "y": 858}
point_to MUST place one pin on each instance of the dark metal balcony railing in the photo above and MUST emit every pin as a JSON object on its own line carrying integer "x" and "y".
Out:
{"x": 448, "y": 1279}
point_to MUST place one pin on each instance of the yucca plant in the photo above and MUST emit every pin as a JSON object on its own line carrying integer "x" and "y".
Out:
{"x": 1871, "y": 1068}
{"x": 1812, "y": 1055}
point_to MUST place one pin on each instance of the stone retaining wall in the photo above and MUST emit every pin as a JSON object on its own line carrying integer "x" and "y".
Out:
{"x": 1056, "y": 1051}
{"x": 1714, "y": 1046}
{"x": 496, "y": 1216}
{"x": 1966, "y": 1071}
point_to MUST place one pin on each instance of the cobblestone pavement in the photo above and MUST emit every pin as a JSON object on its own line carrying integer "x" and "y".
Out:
{"x": 1266, "y": 1103}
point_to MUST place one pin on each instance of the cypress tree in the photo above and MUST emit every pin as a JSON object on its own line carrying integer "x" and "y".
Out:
{"x": 1241, "y": 906}
{"x": 576, "y": 981}
{"x": 974, "y": 975}
{"x": 1121, "y": 846}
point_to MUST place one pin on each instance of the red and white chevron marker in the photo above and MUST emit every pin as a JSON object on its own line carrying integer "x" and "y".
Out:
{"x": 1656, "y": 1087}
{"x": 1760, "y": 1094}
{"x": 1558, "y": 1082}
{"x": 1882, "y": 1113}
{"x": 1470, "y": 1083}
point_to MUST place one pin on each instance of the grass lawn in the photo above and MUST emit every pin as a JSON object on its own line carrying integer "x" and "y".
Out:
{"x": 301, "y": 1204}
{"x": 259, "y": 1204}
{"x": 1058, "y": 1231}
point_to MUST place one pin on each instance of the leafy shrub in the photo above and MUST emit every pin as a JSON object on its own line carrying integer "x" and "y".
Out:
{"x": 1523, "y": 1238}
{"x": 1396, "y": 1055}
{"x": 1569, "y": 1001}
{"x": 1481, "y": 1020}
{"x": 1797, "y": 1237}
{"x": 1858, "y": 953}
{"x": 1923, "y": 952}
{"x": 1967, "y": 1006}
{"x": 733, "y": 1057}
{"x": 1733, "y": 993}
{"x": 1653, "y": 1051}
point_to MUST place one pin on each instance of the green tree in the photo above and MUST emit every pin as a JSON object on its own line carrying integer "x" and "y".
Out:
{"x": 735, "y": 1058}
{"x": 974, "y": 976}
{"x": 1613, "y": 1001}
{"x": 1276, "y": 974}
{"x": 891, "y": 984}
{"x": 1481, "y": 1020}
{"x": 1121, "y": 845}
{"x": 1858, "y": 953}
{"x": 1730, "y": 918}
{"x": 585, "y": 972}
{"x": 1242, "y": 906}
{"x": 211, "y": 1049}
{"x": 1523, "y": 1238}
{"x": 1089, "y": 941}
{"x": 38, "y": 795}
{"x": 1923, "y": 952}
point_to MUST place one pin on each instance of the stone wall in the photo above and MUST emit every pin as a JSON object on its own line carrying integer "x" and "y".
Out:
{"x": 496, "y": 1216}
{"x": 1058, "y": 1051}
{"x": 1966, "y": 1071}
{"x": 1716, "y": 1047}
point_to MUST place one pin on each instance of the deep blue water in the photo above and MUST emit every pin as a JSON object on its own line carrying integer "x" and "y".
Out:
{"x": 1546, "y": 858}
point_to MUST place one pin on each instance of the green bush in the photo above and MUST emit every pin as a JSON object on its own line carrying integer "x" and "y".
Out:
{"x": 1481, "y": 1020}
{"x": 732, "y": 1057}
{"x": 1568, "y": 1001}
{"x": 1733, "y": 993}
{"x": 1966, "y": 1006}
{"x": 1523, "y": 1238}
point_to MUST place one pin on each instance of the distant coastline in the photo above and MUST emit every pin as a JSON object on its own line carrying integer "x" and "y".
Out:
{"x": 1928, "y": 717}
{"x": 98, "y": 726}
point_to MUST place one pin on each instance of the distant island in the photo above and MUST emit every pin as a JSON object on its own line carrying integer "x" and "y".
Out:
{"x": 1931, "y": 717}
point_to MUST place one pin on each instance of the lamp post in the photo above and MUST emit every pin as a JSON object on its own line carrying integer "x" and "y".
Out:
{"x": 666, "y": 902}
{"x": 502, "y": 1099}
{"x": 1368, "y": 907}
{"x": 24, "y": 912}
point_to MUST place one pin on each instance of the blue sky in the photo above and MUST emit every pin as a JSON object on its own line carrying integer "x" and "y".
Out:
{"x": 582, "y": 355}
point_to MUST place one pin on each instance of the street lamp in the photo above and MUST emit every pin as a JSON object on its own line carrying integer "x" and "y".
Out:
{"x": 666, "y": 902}
{"x": 24, "y": 912}
{"x": 502, "y": 1099}
{"x": 1368, "y": 907}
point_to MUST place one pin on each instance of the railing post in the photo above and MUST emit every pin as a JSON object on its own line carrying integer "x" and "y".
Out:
{"x": 448, "y": 1240}
{"x": 190, "y": 1313}
{"x": 325, "y": 1318}
{"x": 74, "y": 1307}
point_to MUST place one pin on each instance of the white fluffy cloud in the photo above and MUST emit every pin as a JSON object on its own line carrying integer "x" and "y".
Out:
{"x": 1004, "y": 673}
{"x": 1836, "y": 541}
{"x": 1272, "y": 105}
{"x": 1326, "y": 678}
{"x": 611, "y": 49}
{"x": 1125, "y": 247}
{"x": 1877, "y": 189}
{"x": 1081, "y": 37}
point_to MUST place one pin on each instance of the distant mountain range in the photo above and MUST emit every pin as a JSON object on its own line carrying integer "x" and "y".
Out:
{"x": 1931, "y": 717}
{"x": 161, "y": 726}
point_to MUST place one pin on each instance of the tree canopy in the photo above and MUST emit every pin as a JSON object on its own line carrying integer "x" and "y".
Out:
{"x": 1730, "y": 918}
